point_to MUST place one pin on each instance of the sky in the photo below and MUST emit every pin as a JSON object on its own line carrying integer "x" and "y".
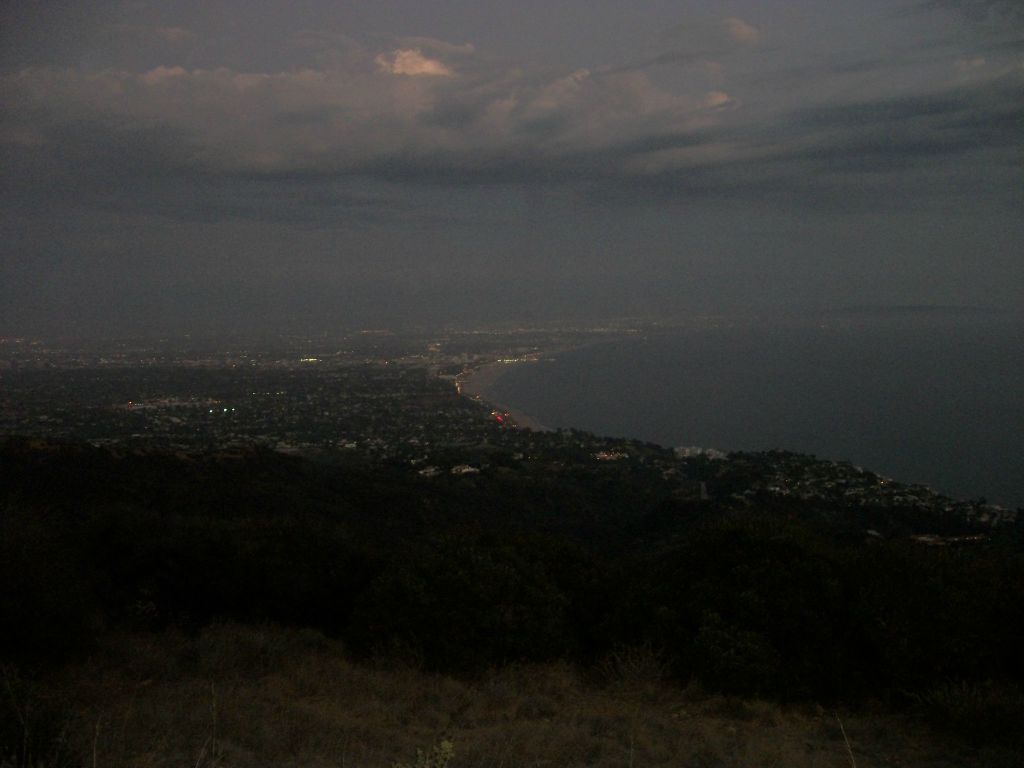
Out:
{"x": 245, "y": 165}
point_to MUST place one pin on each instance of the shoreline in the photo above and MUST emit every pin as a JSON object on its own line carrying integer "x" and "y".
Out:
{"x": 479, "y": 379}
{"x": 475, "y": 383}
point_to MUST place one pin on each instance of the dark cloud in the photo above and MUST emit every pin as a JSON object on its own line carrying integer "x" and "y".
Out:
{"x": 124, "y": 139}
{"x": 911, "y": 128}
{"x": 984, "y": 11}
{"x": 336, "y": 122}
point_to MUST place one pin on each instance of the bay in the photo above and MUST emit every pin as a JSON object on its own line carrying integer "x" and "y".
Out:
{"x": 934, "y": 402}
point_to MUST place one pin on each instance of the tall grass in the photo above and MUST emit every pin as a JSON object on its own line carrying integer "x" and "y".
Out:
{"x": 980, "y": 712}
{"x": 243, "y": 696}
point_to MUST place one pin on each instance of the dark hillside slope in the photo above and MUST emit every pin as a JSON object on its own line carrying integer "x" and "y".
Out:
{"x": 516, "y": 562}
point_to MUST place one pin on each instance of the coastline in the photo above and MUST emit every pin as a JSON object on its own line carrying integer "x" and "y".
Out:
{"x": 476, "y": 382}
{"x": 992, "y": 478}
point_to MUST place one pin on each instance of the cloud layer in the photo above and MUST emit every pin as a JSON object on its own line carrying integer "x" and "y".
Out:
{"x": 398, "y": 107}
{"x": 432, "y": 111}
{"x": 367, "y": 156}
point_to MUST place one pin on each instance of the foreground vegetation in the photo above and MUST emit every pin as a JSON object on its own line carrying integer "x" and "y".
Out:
{"x": 117, "y": 571}
{"x": 234, "y": 695}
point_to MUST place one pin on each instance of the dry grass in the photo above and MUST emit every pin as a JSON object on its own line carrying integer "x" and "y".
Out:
{"x": 243, "y": 696}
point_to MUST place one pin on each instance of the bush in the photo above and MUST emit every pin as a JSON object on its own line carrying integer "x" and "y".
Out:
{"x": 978, "y": 711}
{"x": 633, "y": 667}
{"x": 730, "y": 659}
{"x": 46, "y": 605}
{"x": 438, "y": 756}
{"x": 753, "y": 604}
{"x": 33, "y": 731}
{"x": 462, "y": 605}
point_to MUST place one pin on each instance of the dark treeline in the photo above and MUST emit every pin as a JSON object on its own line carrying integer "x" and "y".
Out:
{"x": 458, "y": 574}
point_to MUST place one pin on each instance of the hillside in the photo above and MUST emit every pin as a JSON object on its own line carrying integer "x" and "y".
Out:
{"x": 516, "y": 563}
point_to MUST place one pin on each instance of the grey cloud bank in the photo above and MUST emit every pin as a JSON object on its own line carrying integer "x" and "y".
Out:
{"x": 221, "y": 166}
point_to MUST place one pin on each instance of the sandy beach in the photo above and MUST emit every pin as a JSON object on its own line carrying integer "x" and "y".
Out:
{"x": 476, "y": 383}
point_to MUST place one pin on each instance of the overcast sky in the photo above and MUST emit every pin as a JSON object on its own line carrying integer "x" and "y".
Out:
{"x": 232, "y": 165}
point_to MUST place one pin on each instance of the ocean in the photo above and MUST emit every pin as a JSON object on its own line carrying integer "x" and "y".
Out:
{"x": 923, "y": 400}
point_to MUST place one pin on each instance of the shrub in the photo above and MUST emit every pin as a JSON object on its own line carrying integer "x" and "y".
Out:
{"x": 46, "y": 606}
{"x": 463, "y": 605}
{"x": 33, "y": 731}
{"x": 979, "y": 711}
{"x": 438, "y": 756}
{"x": 633, "y": 667}
{"x": 734, "y": 660}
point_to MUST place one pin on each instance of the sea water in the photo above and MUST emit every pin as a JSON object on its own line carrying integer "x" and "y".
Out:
{"x": 938, "y": 402}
